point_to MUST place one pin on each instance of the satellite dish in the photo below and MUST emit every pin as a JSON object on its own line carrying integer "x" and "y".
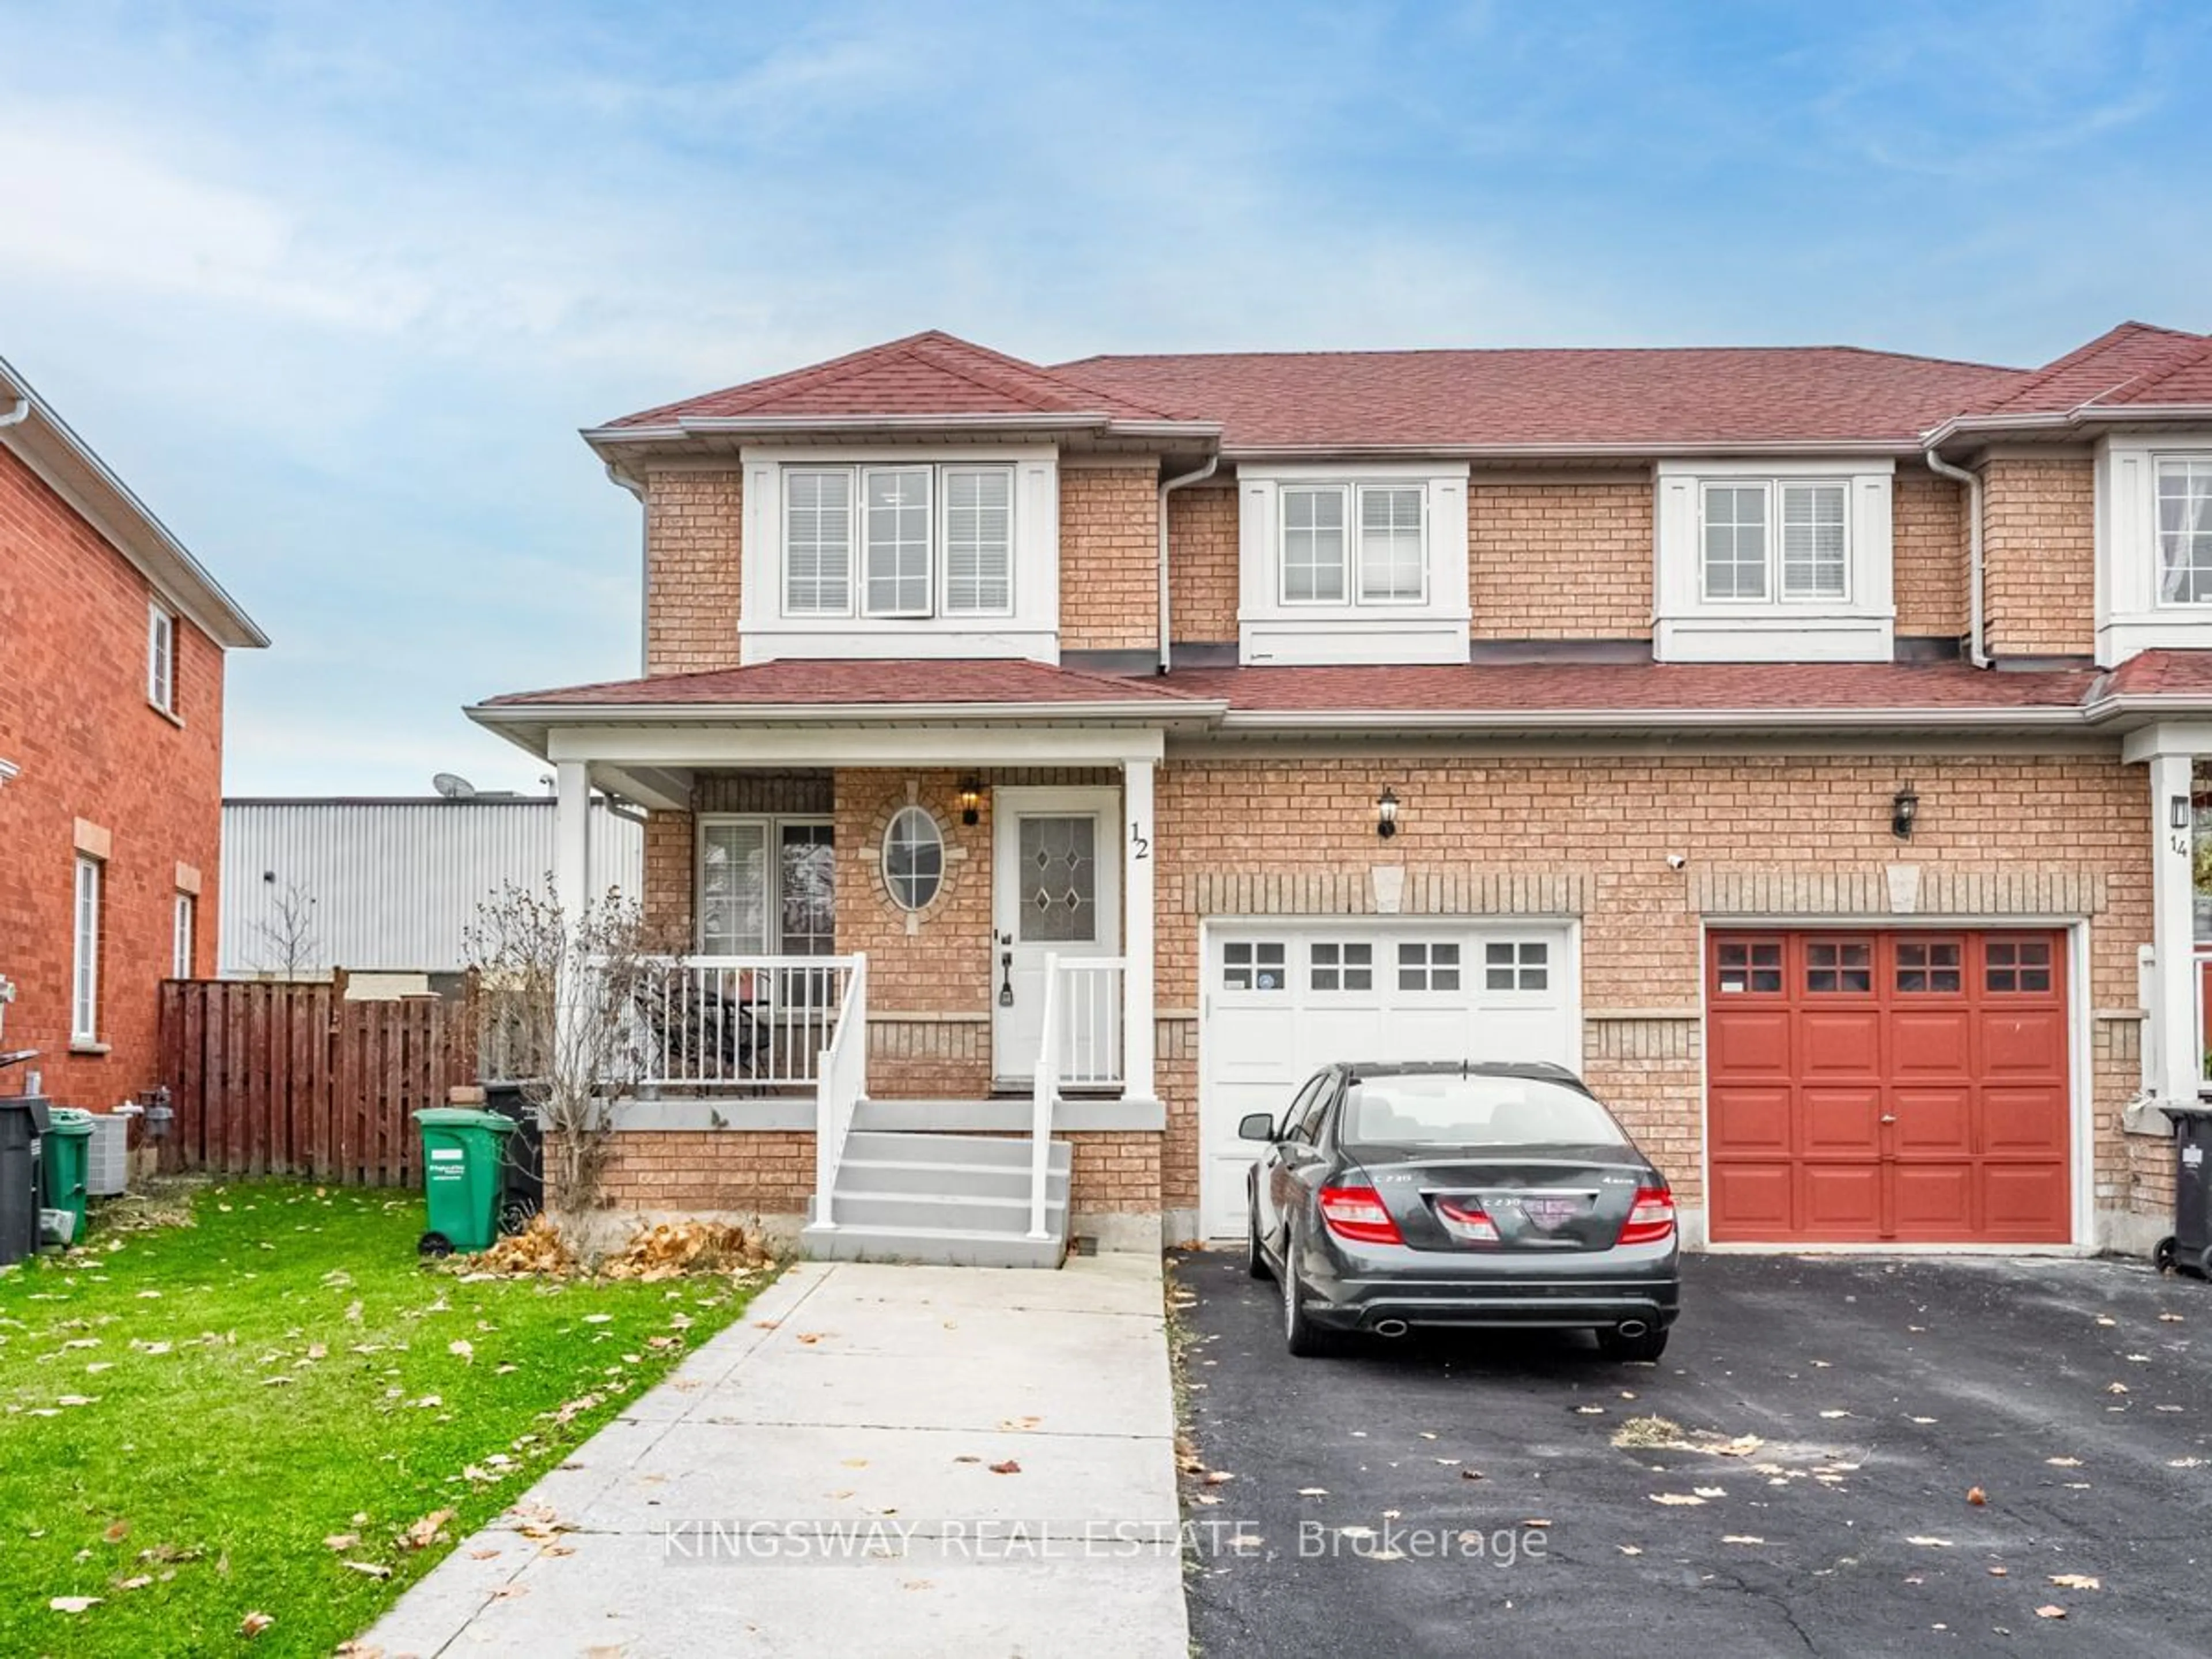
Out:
{"x": 453, "y": 787}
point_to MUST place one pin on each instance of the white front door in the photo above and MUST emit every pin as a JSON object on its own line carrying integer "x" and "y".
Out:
{"x": 1281, "y": 1000}
{"x": 1055, "y": 889}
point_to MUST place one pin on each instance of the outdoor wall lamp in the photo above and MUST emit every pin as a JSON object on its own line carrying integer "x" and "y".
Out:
{"x": 971, "y": 797}
{"x": 1903, "y": 812}
{"x": 2182, "y": 813}
{"x": 1386, "y": 813}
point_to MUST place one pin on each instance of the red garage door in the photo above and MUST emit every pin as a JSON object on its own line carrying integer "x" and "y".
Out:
{"x": 1872, "y": 1087}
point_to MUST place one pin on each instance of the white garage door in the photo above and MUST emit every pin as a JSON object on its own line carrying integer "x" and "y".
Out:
{"x": 1281, "y": 1000}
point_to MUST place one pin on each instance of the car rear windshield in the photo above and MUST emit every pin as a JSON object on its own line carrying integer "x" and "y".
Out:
{"x": 1445, "y": 1109}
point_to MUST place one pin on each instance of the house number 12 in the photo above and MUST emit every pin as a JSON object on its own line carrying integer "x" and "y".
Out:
{"x": 1139, "y": 840}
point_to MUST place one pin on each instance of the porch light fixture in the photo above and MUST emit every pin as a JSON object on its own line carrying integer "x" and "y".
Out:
{"x": 1386, "y": 813}
{"x": 971, "y": 798}
{"x": 1903, "y": 812}
{"x": 2183, "y": 813}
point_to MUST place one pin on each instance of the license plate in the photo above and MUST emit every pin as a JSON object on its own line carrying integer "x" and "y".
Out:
{"x": 1549, "y": 1213}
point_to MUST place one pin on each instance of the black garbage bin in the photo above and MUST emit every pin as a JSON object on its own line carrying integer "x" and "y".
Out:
{"x": 23, "y": 1121}
{"x": 526, "y": 1156}
{"x": 2189, "y": 1249}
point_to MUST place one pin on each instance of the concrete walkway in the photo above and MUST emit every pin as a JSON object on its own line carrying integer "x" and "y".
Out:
{"x": 857, "y": 1414}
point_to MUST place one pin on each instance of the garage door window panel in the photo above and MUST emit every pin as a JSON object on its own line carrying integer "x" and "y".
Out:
{"x": 1253, "y": 965}
{"x": 1428, "y": 965}
{"x": 1340, "y": 965}
{"x": 1749, "y": 966}
{"x": 2016, "y": 966}
{"x": 1840, "y": 967}
{"x": 1930, "y": 967}
{"x": 1517, "y": 965}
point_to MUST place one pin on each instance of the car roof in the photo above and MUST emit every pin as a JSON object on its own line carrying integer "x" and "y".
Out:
{"x": 1544, "y": 1070}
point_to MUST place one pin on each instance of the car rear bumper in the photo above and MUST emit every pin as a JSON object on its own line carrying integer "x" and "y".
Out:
{"x": 1581, "y": 1307}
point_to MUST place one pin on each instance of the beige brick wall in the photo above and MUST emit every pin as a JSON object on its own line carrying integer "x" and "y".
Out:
{"x": 1561, "y": 561}
{"x": 2039, "y": 556}
{"x": 732, "y": 1172}
{"x": 1108, "y": 557}
{"x": 1928, "y": 517}
{"x": 1543, "y": 835}
{"x": 1202, "y": 585}
{"x": 668, "y": 862}
{"x": 694, "y": 527}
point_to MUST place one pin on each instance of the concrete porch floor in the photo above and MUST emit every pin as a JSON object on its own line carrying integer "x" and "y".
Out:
{"x": 862, "y": 1407}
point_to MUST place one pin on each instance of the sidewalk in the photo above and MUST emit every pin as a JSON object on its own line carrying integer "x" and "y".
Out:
{"x": 859, "y": 1410}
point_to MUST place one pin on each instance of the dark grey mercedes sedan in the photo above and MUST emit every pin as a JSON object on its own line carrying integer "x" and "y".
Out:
{"x": 1393, "y": 1196}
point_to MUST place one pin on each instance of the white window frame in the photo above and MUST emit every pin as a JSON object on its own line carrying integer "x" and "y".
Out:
{"x": 183, "y": 928}
{"x": 2160, "y": 460}
{"x": 84, "y": 968}
{"x": 1773, "y": 492}
{"x": 771, "y": 825}
{"x": 1352, "y": 497}
{"x": 931, "y": 542}
{"x": 161, "y": 657}
{"x": 913, "y": 811}
{"x": 938, "y": 605}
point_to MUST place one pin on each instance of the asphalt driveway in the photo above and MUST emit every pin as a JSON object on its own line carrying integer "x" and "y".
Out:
{"x": 1830, "y": 1418}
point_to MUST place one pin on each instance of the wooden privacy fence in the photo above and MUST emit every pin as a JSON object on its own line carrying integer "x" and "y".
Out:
{"x": 271, "y": 1077}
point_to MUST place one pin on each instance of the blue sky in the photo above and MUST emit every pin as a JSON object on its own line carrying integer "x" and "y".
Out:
{"x": 334, "y": 286}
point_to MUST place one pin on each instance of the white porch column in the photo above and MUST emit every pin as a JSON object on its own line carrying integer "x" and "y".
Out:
{"x": 2170, "y": 751}
{"x": 1138, "y": 859}
{"x": 572, "y": 839}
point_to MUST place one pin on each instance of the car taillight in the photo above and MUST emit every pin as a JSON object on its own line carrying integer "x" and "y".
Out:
{"x": 1356, "y": 1214}
{"x": 1650, "y": 1219}
{"x": 1465, "y": 1219}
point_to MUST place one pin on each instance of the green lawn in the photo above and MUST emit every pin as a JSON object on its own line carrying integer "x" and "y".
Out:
{"x": 145, "y": 1434}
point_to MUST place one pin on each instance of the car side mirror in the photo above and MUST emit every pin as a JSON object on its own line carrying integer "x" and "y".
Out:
{"x": 1255, "y": 1126}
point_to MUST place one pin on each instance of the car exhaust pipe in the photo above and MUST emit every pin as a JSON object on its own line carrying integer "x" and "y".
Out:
{"x": 1390, "y": 1327}
{"x": 1631, "y": 1328}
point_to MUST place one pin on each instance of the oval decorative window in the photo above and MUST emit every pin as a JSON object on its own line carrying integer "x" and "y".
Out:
{"x": 914, "y": 858}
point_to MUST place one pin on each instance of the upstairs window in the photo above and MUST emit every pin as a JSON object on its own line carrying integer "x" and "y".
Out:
{"x": 928, "y": 541}
{"x": 1765, "y": 537}
{"x": 1365, "y": 544}
{"x": 161, "y": 659}
{"x": 2185, "y": 530}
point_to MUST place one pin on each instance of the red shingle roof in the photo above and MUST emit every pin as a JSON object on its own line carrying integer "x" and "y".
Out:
{"x": 2135, "y": 363}
{"x": 926, "y": 374}
{"x": 1632, "y": 688}
{"x": 1473, "y": 399}
{"x": 2163, "y": 673}
{"x": 847, "y": 684}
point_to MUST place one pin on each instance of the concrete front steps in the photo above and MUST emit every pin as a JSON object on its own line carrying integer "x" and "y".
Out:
{"x": 961, "y": 1200}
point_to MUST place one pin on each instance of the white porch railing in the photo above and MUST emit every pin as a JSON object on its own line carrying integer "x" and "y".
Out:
{"x": 1044, "y": 1093}
{"x": 740, "y": 1024}
{"x": 842, "y": 1083}
{"x": 1089, "y": 1014}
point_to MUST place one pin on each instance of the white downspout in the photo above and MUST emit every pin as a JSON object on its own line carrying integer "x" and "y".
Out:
{"x": 1972, "y": 480}
{"x": 1199, "y": 476}
{"x": 17, "y": 415}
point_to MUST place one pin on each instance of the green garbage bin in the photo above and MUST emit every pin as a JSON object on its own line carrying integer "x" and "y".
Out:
{"x": 463, "y": 1158}
{"x": 63, "y": 1152}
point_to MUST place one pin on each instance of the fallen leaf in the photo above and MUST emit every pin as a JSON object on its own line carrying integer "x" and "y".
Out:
{"x": 73, "y": 1603}
{"x": 254, "y": 1623}
{"x": 1589, "y": 1411}
{"x": 2106, "y": 1319}
{"x": 1977, "y": 1497}
{"x": 1537, "y": 1523}
{"x": 1218, "y": 1477}
{"x": 2063, "y": 1463}
{"x": 2053, "y": 1611}
{"x": 1675, "y": 1497}
{"x": 371, "y": 1568}
{"x": 2111, "y": 1388}
{"x": 809, "y": 1338}
{"x": 1740, "y": 1538}
{"x": 1709, "y": 1491}
{"x": 342, "y": 1541}
{"x": 2185, "y": 1462}
{"x": 116, "y": 1532}
{"x": 280, "y": 1380}
{"x": 75, "y": 1399}
{"x": 1010, "y": 1467}
{"x": 318, "y": 1350}
{"x": 483, "y": 1555}
{"x": 139, "y": 1583}
{"x": 1923, "y": 1421}
{"x": 1470, "y": 1475}
{"x": 2169, "y": 1319}
{"x": 2077, "y": 1581}
{"x": 462, "y": 1348}
{"x": 1313, "y": 1492}
{"x": 1930, "y": 1543}
{"x": 2000, "y": 1572}
{"x": 1628, "y": 1549}
{"x": 1838, "y": 1414}
{"x": 599, "y": 1319}
{"x": 425, "y": 1531}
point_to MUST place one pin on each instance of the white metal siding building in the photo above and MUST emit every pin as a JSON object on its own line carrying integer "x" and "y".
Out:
{"x": 392, "y": 883}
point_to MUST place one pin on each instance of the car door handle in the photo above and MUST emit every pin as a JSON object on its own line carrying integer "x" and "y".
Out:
{"x": 1889, "y": 1117}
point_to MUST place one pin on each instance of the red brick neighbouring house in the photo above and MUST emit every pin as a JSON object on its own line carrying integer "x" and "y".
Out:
{"x": 112, "y": 643}
{"x": 1801, "y": 745}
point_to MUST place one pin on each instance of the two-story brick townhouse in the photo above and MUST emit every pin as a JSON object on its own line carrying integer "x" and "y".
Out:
{"x": 112, "y": 643}
{"x": 1801, "y": 745}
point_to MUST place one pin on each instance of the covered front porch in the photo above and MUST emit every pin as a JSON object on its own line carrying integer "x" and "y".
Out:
{"x": 925, "y": 945}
